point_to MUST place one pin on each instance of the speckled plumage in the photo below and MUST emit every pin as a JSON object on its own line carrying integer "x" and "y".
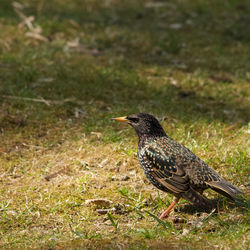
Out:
{"x": 172, "y": 167}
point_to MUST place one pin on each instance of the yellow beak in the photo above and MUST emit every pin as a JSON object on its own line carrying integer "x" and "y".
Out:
{"x": 120, "y": 119}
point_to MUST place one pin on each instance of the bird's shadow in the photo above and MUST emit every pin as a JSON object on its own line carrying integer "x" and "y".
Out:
{"x": 220, "y": 204}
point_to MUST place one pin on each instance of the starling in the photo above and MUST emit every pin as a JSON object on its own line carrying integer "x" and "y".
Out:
{"x": 172, "y": 167}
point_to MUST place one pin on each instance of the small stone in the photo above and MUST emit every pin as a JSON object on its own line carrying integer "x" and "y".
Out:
{"x": 177, "y": 220}
{"x": 203, "y": 215}
{"x": 185, "y": 232}
{"x": 196, "y": 223}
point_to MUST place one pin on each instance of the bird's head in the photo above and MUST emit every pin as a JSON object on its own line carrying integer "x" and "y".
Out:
{"x": 144, "y": 124}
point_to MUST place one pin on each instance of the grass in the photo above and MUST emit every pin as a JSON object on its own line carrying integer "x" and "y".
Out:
{"x": 83, "y": 62}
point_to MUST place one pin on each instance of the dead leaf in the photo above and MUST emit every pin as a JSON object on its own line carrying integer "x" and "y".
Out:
{"x": 99, "y": 202}
{"x": 98, "y": 134}
{"x": 175, "y": 26}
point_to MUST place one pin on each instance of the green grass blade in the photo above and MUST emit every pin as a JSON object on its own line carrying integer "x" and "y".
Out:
{"x": 166, "y": 224}
{"x": 115, "y": 225}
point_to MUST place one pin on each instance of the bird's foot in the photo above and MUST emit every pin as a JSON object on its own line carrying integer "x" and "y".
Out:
{"x": 167, "y": 211}
{"x": 163, "y": 215}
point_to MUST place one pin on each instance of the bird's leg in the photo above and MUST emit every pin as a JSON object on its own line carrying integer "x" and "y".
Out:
{"x": 166, "y": 212}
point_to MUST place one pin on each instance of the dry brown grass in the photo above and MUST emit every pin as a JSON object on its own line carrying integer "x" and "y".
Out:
{"x": 58, "y": 147}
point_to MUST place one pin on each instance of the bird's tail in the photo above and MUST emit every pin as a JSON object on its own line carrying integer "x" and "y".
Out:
{"x": 197, "y": 199}
{"x": 225, "y": 188}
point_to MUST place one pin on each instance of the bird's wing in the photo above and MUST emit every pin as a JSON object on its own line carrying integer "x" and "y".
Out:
{"x": 164, "y": 169}
{"x": 203, "y": 175}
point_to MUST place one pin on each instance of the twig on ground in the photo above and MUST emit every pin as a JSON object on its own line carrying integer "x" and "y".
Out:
{"x": 26, "y": 99}
{"x": 35, "y": 31}
{"x": 42, "y": 100}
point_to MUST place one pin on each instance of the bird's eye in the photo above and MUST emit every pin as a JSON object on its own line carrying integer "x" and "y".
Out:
{"x": 134, "y": 119}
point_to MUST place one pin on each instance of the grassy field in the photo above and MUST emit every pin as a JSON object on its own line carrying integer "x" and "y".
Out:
{"x": 67, "y": 67}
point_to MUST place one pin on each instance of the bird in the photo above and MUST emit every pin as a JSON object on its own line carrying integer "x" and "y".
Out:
{"x": 173, "y": 168}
